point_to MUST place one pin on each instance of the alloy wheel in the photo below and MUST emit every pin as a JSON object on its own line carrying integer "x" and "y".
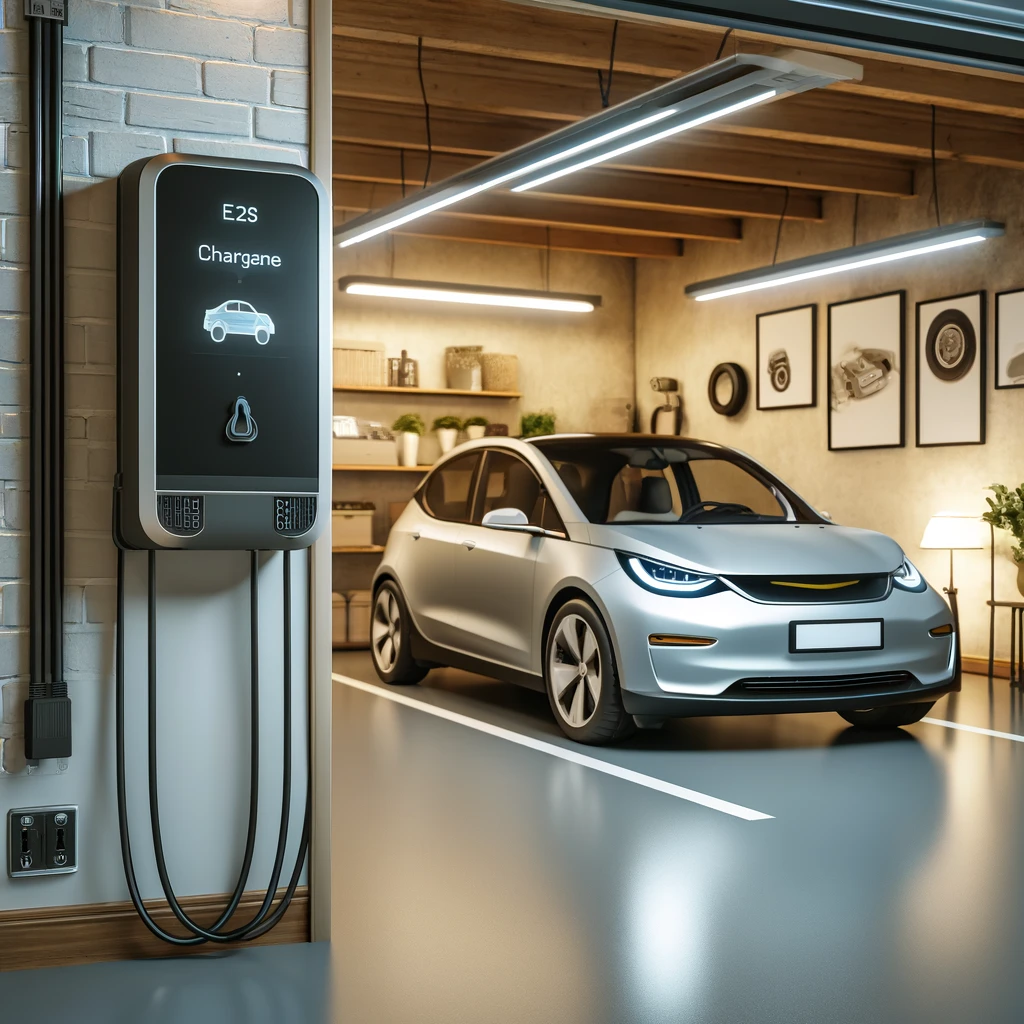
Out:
{"x": 575, "y": 671}
{"x": 386, "y": 630}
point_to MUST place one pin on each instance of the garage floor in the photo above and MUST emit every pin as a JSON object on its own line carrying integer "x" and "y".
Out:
{"x": 479, "y": 880}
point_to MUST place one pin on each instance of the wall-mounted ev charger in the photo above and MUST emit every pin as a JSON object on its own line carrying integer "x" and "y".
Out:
{"x": 224, "y": 404}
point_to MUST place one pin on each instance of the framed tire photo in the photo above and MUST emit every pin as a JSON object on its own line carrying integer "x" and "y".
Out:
{"x": 787, "y": 358}
{"x": 951, "y": 370}
{"x": 866, "y": 346}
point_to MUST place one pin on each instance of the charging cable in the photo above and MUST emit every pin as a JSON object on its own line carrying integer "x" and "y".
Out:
{"x": 264, "y": 919}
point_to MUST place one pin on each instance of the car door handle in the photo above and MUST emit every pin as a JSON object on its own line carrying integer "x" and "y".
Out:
{"x": 415, "y": 534}
{"x": 469, "y": 544}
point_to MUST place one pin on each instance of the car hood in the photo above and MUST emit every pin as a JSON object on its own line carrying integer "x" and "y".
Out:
{"x": 757, "y": 549}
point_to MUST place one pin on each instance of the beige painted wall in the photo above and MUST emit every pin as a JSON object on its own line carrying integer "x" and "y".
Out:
{"x": 894, "y": 490}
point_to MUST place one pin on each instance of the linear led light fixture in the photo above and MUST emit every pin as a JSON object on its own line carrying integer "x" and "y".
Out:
{"x": 711, "y": 92}
{"x": 838, "y": 261}
{"x": 468, "y": 294}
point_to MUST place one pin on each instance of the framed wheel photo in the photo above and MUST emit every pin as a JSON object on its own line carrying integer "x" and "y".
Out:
{"x": 950, "y": 371}
{"x": 787, "y": 358}
{"x": 866, "y": 351}
{"x": 1010, "y": 339}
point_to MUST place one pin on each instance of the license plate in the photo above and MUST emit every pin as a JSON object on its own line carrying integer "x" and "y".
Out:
{"x": 833, "y": 635}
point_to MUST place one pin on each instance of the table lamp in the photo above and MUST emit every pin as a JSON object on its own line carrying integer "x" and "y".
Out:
{"x": 953, "y": 531}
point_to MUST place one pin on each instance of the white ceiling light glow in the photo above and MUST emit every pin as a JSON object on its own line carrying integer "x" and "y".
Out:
{"x": 712, "y": 92}
{"x": 471, "y": 295}
{"x": 856, "y": 257}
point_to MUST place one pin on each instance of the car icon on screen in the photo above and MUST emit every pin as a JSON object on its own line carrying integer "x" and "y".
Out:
{"x": 238, "y": 317}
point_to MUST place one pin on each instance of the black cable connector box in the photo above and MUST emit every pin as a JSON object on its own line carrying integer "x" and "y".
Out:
{"x": 47, "y": 727}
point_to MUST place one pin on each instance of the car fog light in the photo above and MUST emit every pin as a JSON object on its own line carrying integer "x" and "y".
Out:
{"x": 670, "y": 640}
{"x": 946, "y": 630}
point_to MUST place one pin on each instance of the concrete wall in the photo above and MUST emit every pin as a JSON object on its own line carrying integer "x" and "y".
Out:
{"x": 223, "y": 77}
{"x": 894, "y": 490}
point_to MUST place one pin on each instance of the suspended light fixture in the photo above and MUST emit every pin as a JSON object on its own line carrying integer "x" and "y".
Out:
{"x": 712, "y": 92}
{"x": 468, "y": 294}
{"x": 856, "y": 257}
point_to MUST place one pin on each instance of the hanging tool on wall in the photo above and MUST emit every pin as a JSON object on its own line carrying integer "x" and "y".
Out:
{"x": 667, "y": 418}
{"x": 48, "y": 708}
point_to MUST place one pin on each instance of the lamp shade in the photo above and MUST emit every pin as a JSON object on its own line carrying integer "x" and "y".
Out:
{"x": 953, "y": 530}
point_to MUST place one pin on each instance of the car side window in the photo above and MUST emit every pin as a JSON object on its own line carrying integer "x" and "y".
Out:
{"x": 508, "y": 482}
{"x": 232, "y": 307}
{"x": 449, "y": 489}
{"x": 246, "y": 308}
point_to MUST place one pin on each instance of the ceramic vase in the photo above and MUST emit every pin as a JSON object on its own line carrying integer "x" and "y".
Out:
{"x": 446, "y": 438}
{"x": 476, "y": 432}
{"x": 1020, "y": 577}
{"x": 408, "y": 448}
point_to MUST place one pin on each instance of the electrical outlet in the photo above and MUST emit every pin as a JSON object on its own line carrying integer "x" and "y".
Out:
{"x": 42, "y": 841}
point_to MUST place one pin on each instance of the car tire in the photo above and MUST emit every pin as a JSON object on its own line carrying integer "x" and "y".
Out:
{"x": 951, "y": 325}
{"x": 587, "y": 708}
{"x": 262, "y": 336}
{"x": 891, "y": 717}
{"x": 218, "y": 332}
{"x": 738, "y": 378}
{"x": 391, "y": 632}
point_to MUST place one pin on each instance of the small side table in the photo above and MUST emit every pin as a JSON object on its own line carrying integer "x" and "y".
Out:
{"x": 1016, "y": 639}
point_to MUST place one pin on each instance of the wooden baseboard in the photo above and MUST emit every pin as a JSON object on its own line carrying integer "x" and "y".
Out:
{"x": 58, "y": 936}
{"x": 979, "y": 667}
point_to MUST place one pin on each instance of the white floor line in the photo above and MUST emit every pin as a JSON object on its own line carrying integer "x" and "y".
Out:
{"x": 566, "y": 754}
{"x": 1012, "y": 736}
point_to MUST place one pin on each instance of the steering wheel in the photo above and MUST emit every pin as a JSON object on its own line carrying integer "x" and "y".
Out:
{"x": 713, "y": 506}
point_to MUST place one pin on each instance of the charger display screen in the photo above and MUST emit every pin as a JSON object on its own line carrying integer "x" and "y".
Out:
{"x": 237, "y": 330}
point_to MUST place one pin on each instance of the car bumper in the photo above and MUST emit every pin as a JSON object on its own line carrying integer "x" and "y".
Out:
{"x": 750, "y": 668}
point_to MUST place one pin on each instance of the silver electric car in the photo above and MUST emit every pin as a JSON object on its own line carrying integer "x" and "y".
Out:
{"x": 635, "y": 578}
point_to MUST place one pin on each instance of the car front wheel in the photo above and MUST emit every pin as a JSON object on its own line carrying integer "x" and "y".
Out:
{"x": 218, "y": 332}
{"x": 891, "y": 717}
{"x": 581, "y": 678}
{"x": 262, "y": 335}
{"x": 390, "y": 638}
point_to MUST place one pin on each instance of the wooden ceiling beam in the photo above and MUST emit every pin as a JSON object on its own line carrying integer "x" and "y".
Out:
{"x": 611, "y": 188}
{"x": 547, "y": 211}
{"x": 387, "y": 72}
{"x": 465, "y": 229}
{"x": 703, "y": 155}
{"x": 662, "y": 50}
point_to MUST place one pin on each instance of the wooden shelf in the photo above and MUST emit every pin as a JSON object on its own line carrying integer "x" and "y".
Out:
{"x": 373, "y": 549}
{"x": 382, "y": 469}
{"x": 451, "y": 392}
{"x": 351, "y": 646}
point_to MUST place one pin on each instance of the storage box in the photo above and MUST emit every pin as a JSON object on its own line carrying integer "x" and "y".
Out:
{"x": 364, "y": 451}
{"x": 339, "y": 619}
{"x": 359, "y": 617}
{"x": 352, "y": 524}
{"x": 360, "y": 367}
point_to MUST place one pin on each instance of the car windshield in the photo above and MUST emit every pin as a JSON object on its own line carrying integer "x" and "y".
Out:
{"x": 670, "y": 481}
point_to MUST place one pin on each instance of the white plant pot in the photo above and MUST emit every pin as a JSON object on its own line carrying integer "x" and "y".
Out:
{"x": 446, "y": 438}
{"x": 408, "y": 449}
{"x": 476, "y": 432}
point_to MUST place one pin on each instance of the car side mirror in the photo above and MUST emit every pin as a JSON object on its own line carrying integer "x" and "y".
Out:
{"x": 506, "y": 519}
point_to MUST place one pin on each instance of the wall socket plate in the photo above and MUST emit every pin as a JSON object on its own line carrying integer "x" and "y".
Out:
{"x": 42, "y": 841}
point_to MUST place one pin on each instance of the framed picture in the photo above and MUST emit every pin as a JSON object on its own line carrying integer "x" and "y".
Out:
{"x": 1010, "y": 339}
{"x": 866, "y": 352}
{"x": 787, "y": 358}
{"x": 950, "y": 371}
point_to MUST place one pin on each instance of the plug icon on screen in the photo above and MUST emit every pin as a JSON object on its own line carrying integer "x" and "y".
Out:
{"x": 241, "y": 426}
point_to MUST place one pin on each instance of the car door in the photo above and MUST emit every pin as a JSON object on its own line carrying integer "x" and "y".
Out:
{"x": 246, "y": 318}
{"x": 495, "y": 568}
{"x": 233, "y": 318}
{"x": 428, "y": 572}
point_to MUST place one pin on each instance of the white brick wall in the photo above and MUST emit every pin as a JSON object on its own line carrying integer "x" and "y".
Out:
{"x": 215, "y": 77}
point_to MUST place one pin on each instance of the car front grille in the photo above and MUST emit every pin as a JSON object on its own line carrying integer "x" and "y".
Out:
{"x": 793, "y": 685}
{"x": 813, "y": 589}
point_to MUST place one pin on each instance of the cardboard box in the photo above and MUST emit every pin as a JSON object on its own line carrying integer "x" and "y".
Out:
{"x": 359, "y": 617}
{"x": 339, "y": 619}
{"x": 351, "y": 527}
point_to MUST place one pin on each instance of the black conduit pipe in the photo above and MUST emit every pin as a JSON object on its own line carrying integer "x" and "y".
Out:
{"x": 48, "y": 708}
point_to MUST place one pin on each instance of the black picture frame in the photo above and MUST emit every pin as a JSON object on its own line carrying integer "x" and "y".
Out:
{"x": 813, "y": 307}
{"x": 902, "y": 443}
{"x": 982, "y": 297}
{"x": 997, "y": 344}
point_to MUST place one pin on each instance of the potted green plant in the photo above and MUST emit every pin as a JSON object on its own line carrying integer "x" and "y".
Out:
{"x": 447, "y": 429}
{"x": 534, "y": 424}
{"x": 409, "y": 428}
{"x": 1006, "y": 512}
{"x": 475, "y": 427}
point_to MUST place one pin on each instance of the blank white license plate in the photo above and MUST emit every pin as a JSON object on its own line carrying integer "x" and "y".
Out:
{"x": 858, "y": 635}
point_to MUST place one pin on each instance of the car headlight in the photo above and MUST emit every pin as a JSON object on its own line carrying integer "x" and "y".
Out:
{"x": 908, "y": 577}
{"x": 670, "y": 580}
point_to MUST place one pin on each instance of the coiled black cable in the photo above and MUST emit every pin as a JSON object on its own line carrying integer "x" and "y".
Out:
{"x": 261, "y": 922}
